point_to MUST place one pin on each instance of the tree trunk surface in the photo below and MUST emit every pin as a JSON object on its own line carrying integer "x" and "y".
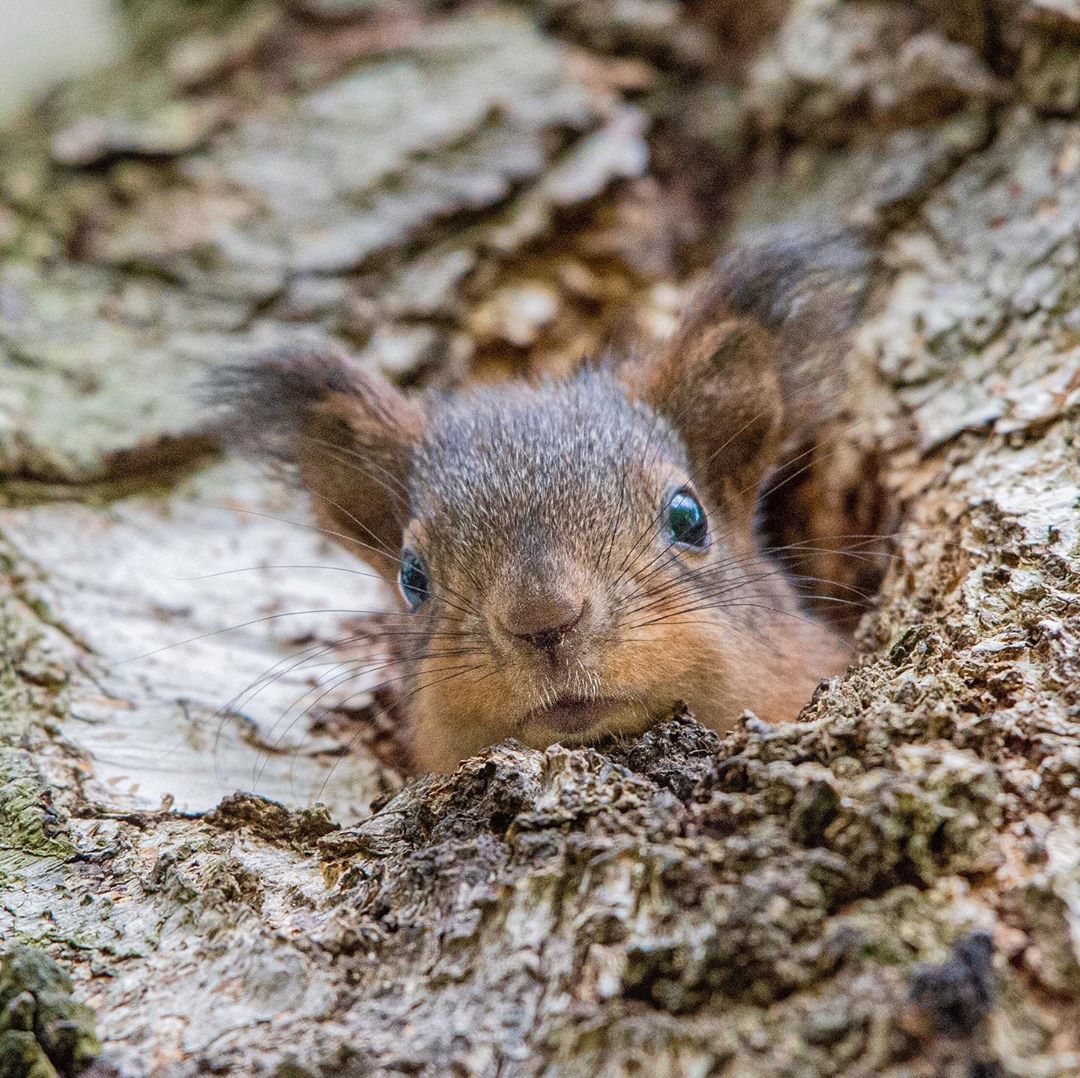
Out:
{"x": 888, "y": 886}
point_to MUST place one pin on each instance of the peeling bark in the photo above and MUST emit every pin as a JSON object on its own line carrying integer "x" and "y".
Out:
{"x": 889, "y": 886}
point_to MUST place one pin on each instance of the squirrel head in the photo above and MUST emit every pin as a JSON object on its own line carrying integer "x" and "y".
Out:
{"x": 575, "y": 557}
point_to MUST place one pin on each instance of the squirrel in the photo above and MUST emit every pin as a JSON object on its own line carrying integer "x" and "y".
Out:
{"x": 575, "y": 557}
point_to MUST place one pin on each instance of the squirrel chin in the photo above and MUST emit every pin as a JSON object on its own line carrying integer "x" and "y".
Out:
{"x": 581, "y": 722}
{"x": 574, "y": 717}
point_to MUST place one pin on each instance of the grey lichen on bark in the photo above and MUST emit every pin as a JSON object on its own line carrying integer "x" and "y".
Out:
{"x": 889, "y": 885}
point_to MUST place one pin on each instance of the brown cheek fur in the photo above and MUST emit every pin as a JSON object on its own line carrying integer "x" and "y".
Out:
{"x": 712, "y": 667}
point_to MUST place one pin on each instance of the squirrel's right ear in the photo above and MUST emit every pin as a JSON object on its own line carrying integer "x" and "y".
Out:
{"x": 718, "y": 385}
{"x": 352, "y": 436}
{"x": 760, "y": 348}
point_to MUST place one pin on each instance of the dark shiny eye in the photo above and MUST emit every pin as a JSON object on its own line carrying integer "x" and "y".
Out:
{"x": 687, "y": 522}
{"x": 413, "y": 578}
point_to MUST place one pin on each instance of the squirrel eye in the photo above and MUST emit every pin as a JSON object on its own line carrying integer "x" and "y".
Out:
{"x": 686, "y": 520}
{"x": 413, "y": 578}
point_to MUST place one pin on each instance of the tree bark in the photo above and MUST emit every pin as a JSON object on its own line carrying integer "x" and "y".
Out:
{"x": 888, "y": 886}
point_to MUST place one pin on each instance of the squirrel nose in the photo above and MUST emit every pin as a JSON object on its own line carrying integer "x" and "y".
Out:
{"x": 544, "y": 620}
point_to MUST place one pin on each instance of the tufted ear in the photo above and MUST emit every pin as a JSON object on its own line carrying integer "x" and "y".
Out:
{"x": 758, "y": 358}
{"x": 716, "y": 382}
{"x": 352, "y": 436}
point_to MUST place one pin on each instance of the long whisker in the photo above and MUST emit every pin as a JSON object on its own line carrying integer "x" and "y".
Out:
{"x": 258, "y": 621}
{"x": 342, "y": 679}
{"x": 784, "y": 552}
{"x": 284, "y": 667}
{"x": 261, "y": 568}
{"x": 720, "y": 575}
{"x": 363, "y": 465}
{"x": 419, "y": 688}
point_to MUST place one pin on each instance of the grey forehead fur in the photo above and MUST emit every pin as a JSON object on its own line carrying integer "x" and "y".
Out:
{"x": 507, "y": 469}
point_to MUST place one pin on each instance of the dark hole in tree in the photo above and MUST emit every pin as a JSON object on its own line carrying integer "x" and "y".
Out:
{"x": 826, "y": 518}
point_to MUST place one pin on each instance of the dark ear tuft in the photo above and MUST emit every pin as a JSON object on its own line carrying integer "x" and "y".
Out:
{"x": 261, "y": 406}
{"x": 351, "y": 435}
{"x": 795, "y": 275}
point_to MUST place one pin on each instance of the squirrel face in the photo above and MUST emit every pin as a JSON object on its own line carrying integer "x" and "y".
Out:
{"x": 576, "y": 557}
{"x": 555, "y": 531}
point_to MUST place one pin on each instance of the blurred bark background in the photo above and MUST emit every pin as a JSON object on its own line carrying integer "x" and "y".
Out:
{"x": 889, "y": 887}
{"x": 43, "y": 44}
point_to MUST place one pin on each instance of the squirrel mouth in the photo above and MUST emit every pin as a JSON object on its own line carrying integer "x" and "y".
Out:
{"x": 570, "y": 715}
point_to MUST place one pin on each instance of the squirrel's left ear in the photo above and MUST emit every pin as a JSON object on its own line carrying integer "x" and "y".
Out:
{"x": 351, "y": 434}
{"x": 718, "y": 385}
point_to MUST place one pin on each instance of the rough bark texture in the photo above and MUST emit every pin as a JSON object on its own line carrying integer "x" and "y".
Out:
{"x": 889, "y": 886}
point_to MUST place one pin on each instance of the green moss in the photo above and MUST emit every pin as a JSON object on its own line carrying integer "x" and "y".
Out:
{"x": 44, "y": 1030}
{"x": 22, "y": 1057}
{"x": 27, "y": 819}
{"x": 154, "y": 23}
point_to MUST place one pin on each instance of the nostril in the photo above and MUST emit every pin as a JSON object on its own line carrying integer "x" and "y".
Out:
{"x": 549, "y": 638}
{"x": 544, "y": 622}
